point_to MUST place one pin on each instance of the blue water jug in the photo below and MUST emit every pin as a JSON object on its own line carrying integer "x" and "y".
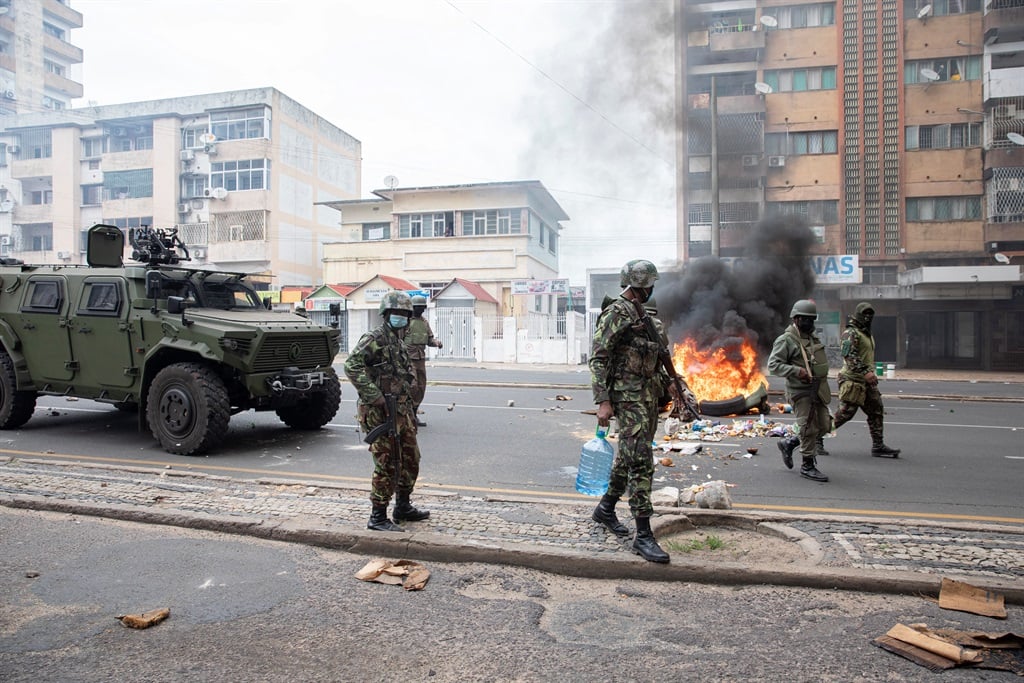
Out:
{"x": 595, "y": 465}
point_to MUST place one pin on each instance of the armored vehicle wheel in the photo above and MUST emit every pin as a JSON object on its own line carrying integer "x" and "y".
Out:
{"x": 314, "y": 411}
{"x": 16, "y": 407}
{"x": 188, "y": 408}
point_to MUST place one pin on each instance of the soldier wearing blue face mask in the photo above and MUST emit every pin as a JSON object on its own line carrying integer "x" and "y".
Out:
{"x": 381, "y": 371}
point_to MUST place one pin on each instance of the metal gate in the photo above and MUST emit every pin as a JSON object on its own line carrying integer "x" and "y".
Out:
{"x": 454, "y": 328}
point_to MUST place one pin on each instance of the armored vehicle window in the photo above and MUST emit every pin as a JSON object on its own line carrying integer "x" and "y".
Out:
{"x": 44, "y": 296}
{"x": 225, "y": 295}
{"x": 101, "y": 298}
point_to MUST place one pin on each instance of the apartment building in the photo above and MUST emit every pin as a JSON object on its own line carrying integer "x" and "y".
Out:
{"x": 239, "y": 174}
{"x": 39, "y": 67}
{"x": 896, "y": 128}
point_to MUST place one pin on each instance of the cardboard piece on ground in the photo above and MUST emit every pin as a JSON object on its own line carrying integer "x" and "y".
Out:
{"x": 928, "y": 660}
{"x": 412, "y": 576}
{"x": 146, "y": 619}
{"x": 963, "y": 597}
{"x": 933, "y": 644}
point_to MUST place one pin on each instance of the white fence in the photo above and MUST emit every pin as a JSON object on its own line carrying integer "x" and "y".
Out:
{"x": 534, "y": 338}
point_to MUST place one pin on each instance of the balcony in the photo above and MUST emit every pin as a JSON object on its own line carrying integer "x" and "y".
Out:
{"x": 1004, "y": 24}
{"x": 63, "y": 12}
{"x": 61, "y": 84}
{"x": 63, "y": 49}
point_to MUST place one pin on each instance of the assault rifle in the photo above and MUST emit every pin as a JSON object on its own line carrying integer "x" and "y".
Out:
{"x": 389, "y": 428}
{"x": 684, "y": 403}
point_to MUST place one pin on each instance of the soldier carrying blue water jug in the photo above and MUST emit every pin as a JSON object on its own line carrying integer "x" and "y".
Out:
{"x": 625, "y": 368}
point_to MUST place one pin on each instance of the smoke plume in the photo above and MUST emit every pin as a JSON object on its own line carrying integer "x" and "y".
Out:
{"x": 721, "y": 303}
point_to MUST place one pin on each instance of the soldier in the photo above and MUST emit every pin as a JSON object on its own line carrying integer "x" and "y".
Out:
{"x": 624, "y": 375}
{"x": 858, "y": 383}
{"x": 799, "y": 356}
{"x": 417, "y": 339}
{"x": 379, "y": 365}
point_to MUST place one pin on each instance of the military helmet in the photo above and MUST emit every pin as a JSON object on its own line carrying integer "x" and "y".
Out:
{"x": 419, "y": 300}
{"x": 804, "y": 308}
{"x": 395, "y": 301}
{"x": 638, "y": 273}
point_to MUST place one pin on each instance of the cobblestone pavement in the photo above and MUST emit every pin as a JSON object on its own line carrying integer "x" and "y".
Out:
{"x": 501, "y": 525}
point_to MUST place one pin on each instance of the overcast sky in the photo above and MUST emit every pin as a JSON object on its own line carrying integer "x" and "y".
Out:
{"x": 573, "y": 93}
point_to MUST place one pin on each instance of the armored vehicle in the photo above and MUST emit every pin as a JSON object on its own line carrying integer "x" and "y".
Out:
{"x": 185, "y": 347}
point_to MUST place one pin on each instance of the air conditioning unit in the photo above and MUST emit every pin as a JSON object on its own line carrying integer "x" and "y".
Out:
{"x": 199, "y": 252}
{"x": 183, "y": 208}
{"x": 208, "y": 192}
{"x": 751, "y": 160}
{"x": 47, "y": 102}
{"x": 64, "y": 255}
{"x": 118, "y": 132}
{"x": 776, "y": 162}
{"x": 5, "y": 240}
{"x": 9, "y": 94}
{"x": 210, "y": 149}
{"x": 187, "y": 155}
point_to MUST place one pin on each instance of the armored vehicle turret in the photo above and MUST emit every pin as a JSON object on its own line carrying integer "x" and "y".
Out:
{"x": 185, "y": 347}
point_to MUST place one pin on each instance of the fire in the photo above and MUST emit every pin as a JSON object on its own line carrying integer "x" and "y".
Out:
{"x": 721, "y": 373}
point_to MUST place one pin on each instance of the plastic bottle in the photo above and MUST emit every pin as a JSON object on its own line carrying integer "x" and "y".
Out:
{"x": 595, "y": 465}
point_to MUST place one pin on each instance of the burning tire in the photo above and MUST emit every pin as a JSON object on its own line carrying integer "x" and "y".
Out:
{"x": 737, "y": 405}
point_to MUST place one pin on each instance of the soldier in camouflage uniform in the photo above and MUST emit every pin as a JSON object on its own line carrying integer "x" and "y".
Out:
{"x": 379, "y": 364}
{"x": 417, "y": 339}
{"x": 858, "y": 383}
{"x": 799, "y": 356}
{"x": 625, "y": 379}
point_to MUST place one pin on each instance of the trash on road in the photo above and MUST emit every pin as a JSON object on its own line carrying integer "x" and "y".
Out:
{"x": 146, "y": 619}
{"x": 941, "y": 649}
{"x": 412, "y": 576}
{"x": 963, "y": 597}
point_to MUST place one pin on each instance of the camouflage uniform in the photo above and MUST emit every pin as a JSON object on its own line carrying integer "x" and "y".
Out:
{"x": 417, "y": 339}
{"x": 810, "y": 400}
{"x": 624, "y": 370}
{"x": 855, "y": 390}
{"x": 379, "y": 363}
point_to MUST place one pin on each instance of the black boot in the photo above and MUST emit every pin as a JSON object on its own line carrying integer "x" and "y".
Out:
{"x": 644, "y": 543}
{"x": 604, "y": 514}
{"x": 880, "y": 450}
{"x": 820, "y": 448}
{"x": 786, "y": 445}
{"x": 405, "y": 512}
{"x": 809, "y": 470}
{"x": 379, "y": 519}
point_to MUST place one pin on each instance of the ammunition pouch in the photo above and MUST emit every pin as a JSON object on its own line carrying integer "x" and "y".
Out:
{"x": 640, "y": 357}
{"x": 852, "y": 392}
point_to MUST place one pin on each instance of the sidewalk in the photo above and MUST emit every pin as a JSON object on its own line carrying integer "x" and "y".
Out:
{"x": 874, "y": 555}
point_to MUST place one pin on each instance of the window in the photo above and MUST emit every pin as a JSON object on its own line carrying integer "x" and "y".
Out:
{"x": 241, "y": 124}
{"x": 55, "y": 31}
{"x": 880, "y": 275}
{"x": 945, "y": 136}
{"x": 190, "y": 138}
{"x": 249, "y": 174}
{"x": 38, "y": 197}
{"x": 127, "y": 223}
{"x": 425, "y": 225}
{"x": 101, "y": 298}
{"x": 36, "y": 144}
{"x": 940, "y": 8}
{"x": 823, "y": 142}
{"x": 92, "y": 147}
{"x": 376, "y": 231}
{"x": 824, "y": 212}
{"x": 45, "y": 295}
{"x": 947, "y": 69}
{"x": 94, "y": 164}
{"x": 128, "y": 184}
{"x": 943, "y": 208}
{"x": 92, "y": 194}
{"x": 803, "y": 16}
{"x": 53, "y": 67}
{"x": 193, "y": 186}
{"x": 798, "y": 80}
{"x": 492, "y": 222}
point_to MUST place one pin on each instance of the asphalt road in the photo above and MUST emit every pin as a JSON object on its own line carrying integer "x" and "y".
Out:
{"x": 245, "y": 609}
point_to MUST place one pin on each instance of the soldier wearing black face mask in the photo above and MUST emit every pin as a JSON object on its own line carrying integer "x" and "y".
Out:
{"x": 858, "y": 383}
{"x": 799, "y": 356}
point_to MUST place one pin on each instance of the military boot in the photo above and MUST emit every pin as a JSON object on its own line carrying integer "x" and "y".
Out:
{"x": 405, "y": 512}
{"x": 644, "y": 543}
{"x": 880, "y": 450}
{"x": 786, "y": 445}
{"x": 809, "y": 470}
{"x": 820, "y": 447}
{"x": 604, "y": 514}
{"x": 379, "y": 519}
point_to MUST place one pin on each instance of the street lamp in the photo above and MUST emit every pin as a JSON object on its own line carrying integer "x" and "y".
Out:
{"x": 964, "y": 110}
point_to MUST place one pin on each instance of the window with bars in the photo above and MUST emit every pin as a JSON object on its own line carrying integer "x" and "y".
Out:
{"x": 128, "y": 184}
{"x": 798, "y": 80}
{"x": 943, "y": 208}
{"x": 803, "y": 16}
{"x": 944, "y": 136}
{"x": 940, "y": 8}
{"x": 815, "y": 142}
{"x": 823, "y": 212}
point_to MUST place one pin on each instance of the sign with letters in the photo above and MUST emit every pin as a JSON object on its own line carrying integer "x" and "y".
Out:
{"x": 836, "y": 269}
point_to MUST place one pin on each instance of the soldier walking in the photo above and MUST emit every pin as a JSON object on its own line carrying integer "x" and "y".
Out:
{"x": 858, "y": 383}
{"x": 380, "y": 370}
{"x": 799, "y": 356}
{"x": 417, "y": 339}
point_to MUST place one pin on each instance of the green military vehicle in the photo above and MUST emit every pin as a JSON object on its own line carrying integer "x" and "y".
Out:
{"x": 185, "y": 347}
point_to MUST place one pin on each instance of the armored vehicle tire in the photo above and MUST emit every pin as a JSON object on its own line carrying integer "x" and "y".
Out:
{"x": 16, "y": 407}
{"x": 314, "y": 411}
{"x": 188, "y": 408}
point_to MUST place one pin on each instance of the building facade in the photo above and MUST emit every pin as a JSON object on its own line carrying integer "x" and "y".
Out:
{"x": 896, "y": 128}
{"x": 239, "y": 174}
{"x": 39, "y": 67}
{"x": 493, "y": 234}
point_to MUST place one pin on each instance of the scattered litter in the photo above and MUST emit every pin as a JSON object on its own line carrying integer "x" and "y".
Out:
{"x": 71, "y": 398}
{"x": 667, "y": 497}
{"x": 946, "y": 648}
{"x": 511, "y": 404}
{"x": 963, "y": 597}
{"x": 752, "y": 450}
{"x": 717, "y": 430}
{"x": 451, "y": 407}
{"x": 144, "y": 620}
{"x": 666, "y": 462}
{"x": 559, "y": 397}
{"x": 412, "y": 576}
{"x": 713, "y": 495}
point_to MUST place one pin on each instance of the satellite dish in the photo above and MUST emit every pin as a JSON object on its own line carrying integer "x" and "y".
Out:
{"x": 763, "y": 88}
{"x": 207, "y": 138}
{"x": 219, "y": 193}
{"x": 391, "y": 182}
{"x": 769, "y": 21}
{"x": 4, "y": 10}
{"x": 924, "y": 12}
{"x": 930, "y": 74}
{"x": 1002, "y": 258}
{"x": 1015, "y": 138}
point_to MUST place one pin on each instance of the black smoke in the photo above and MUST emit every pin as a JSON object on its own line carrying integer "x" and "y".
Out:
{"x": 720, "y": 304}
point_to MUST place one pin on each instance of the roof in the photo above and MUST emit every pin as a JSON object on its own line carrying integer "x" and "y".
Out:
{"x": 477, "y": 292}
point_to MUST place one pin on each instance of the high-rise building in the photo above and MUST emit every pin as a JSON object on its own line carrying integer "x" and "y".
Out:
{"x": 39, "y": 68}
{"x": 896, "y": 128}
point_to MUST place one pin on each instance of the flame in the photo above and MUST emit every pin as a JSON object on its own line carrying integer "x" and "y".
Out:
{"x": 721, "y": 373}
